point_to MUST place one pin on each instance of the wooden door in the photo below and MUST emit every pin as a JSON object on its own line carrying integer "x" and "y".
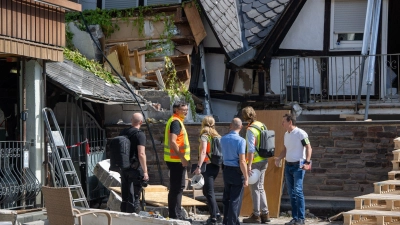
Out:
{"x": 274, "y": 175}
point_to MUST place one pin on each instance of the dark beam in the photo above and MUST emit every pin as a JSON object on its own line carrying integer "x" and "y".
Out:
{"x": 241, "y": 98}
{"x": 214, "y": 50}
{"x": 231, "y": 80}
{"x": 302, "y": 53}
{"x": 261, "y": 82}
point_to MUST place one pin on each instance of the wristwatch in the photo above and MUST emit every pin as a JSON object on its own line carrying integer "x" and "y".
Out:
{"x": 307, "y": 162}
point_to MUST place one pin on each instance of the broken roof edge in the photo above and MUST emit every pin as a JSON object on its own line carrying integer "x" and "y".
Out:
{"x": 206, "y": 16}
{"x": 274, "y": 39}
{"x": 83, "y": 84}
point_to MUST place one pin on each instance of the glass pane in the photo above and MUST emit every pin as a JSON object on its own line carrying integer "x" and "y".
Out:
{"x": 351, "y": 37}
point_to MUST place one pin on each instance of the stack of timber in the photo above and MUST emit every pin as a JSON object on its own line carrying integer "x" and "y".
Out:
{"x": 129, "y": 48}
{"x": 383, "y": 206}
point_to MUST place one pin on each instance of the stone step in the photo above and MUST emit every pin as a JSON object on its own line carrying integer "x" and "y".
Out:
{"x": 396, "y": 165}
{"x": 386, "y": 186}
{"x": 377, "y": 217}
{"x": 396, "y": 142}
{"x": 394, "y": 175}
{"x": 396, "y": 155}
{"x": 378, "y": 202}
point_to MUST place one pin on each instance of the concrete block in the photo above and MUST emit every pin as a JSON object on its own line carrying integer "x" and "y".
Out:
{"x": 156, "y": 96}
{"x": 84, "y": 43}
{"x": 106, "y": 177}
{"x": 114, "y": 201}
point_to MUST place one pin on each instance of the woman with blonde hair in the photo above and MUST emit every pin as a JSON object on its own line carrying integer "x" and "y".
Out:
{"x": 207, "y": 133}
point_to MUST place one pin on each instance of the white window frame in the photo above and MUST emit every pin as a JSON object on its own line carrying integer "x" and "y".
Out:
{"x": 344, "y": 45}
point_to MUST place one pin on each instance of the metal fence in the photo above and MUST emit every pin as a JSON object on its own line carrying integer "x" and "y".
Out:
{"x": 18, "y": 184}
{"x": 333, "y": 78}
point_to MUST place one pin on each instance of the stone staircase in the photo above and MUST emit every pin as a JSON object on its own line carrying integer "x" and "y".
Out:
{"x": 383, "y": 206}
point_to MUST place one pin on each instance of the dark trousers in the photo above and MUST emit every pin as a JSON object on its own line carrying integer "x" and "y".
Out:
{"x": 176, "y": 186}
{"x": 211, "y": 173}
{"x": 130, "y": 190}
{"x": 233, "y": 194}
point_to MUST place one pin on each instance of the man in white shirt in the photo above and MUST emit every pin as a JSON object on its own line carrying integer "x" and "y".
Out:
{"x": 296, "y": 147}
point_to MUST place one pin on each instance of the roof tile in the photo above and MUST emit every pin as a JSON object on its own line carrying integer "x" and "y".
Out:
{"x": 252, "y": 13}
{"x": 273, "y": 4}
{"x": 248, "y": 1}
{"x": 257, "y": 4}
{"x": 257, "y": 29}
{"x": 264, "y": 32}
{"x": 260, "y": 19}
{"x": 250, "y": 24}
{"x": 263, "y": 9}
{"x": 270, "y": 14}
{"x": 283, "y": 1}
{"x": 246, "y": 7}
{"x": 279, "y": 9}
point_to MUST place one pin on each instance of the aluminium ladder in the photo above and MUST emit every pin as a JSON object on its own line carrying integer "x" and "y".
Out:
{"x": 65, "y": 172}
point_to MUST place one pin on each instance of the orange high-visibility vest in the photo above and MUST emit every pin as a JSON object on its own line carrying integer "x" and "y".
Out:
{"x": 182, "y": 140}
{"x": 206, "y": 159}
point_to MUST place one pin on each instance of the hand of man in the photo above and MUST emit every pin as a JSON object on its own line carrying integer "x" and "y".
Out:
{"x": 250, "y": 172}
{"x": 306, "y": 167}
{"x": 277, "y": 161}
{"x": 197, "y": 171}
{"x": 246, "y": 183}
{"x": 145, "y": 176}
{"x": 184, "y": 162}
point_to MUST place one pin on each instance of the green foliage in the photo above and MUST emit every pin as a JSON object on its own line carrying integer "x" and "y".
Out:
{"x": 69, "y": 35}
{"x": 89, "y": 65}
{"x": 174, "y": 87}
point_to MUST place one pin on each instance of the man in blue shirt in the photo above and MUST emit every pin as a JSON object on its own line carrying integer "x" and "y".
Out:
{"x": 234, "y": 173}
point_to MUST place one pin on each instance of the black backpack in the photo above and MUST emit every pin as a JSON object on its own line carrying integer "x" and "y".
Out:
{"x": 267, "y": 141}
{"x": 120, "y": 158}
{"x": 216, "y": 151}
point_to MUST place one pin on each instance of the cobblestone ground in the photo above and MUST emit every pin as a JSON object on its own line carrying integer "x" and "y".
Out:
{"x": 200, "y": 219}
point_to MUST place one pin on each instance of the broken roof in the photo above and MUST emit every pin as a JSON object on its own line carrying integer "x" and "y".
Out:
{"x": 242, "y": 24}
{"x": 86, "y": 85}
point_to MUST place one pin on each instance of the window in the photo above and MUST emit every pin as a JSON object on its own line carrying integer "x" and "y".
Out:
{"x": 347, "y": 24}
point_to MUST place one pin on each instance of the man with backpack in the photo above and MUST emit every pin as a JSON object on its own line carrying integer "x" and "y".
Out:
{"x": 133, "y": 178}
{"x": 255, "y": 161}
{"x": 177, "y": 156}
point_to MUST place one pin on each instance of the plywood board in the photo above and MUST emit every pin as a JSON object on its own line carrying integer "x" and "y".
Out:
{"x": 274, "y": 175}
{"x": 195, "y": 23}
{"x": 161, "y": 199}
{"x": 113, "y": 58}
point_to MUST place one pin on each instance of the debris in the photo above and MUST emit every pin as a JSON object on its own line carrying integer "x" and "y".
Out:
{"x": 336, "y": 217}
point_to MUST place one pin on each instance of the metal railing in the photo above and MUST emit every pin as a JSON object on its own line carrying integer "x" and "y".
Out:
{"x": 18, "y": 184}
{"x": 333, "y": 78}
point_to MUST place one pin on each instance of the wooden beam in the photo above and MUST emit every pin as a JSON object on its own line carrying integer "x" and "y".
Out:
{"x": 261, "y": 82}
{"x": 147, "y": 52}
{"x": 63, "y": 4}
{"x": 123, "y": 56}
{"x": 137, "y": 64}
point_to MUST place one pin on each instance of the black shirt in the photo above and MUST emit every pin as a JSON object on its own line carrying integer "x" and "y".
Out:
{"x": 175, "y": 127}
{"x": 137, "y": 137}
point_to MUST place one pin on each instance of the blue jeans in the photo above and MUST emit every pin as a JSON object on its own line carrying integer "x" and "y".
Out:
{"x": 233, "y": 194}
{"x": 294, "y": 183}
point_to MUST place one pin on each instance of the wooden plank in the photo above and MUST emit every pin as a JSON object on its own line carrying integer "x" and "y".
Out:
{"x": 46, "y": 24}
{"x": 17, "y": 23}
{"x": 274, "y": 175}
{"x": 24, "y": 20}
{"x": 37, "y": 23}
{"x": 62, "y": 28}
{"x": 123, "y": 56}
{"x": 195, "y": 22}
{"x": 3, "y": 17}
{"x": 161, "y": 198}
{"x": 65, "y": 4}
{"x": 58, "y": 21}
{"x": 113, "y": 58}
{"x": 137, "y": 64}
{"x": 32, "y": 24}
{"x": 14, "y": 18}
{"x": 51, "y": 26}
{"x": 8, "y": 19}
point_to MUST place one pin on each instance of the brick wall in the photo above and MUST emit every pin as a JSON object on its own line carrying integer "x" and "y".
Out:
{"x": 348, "y": 157}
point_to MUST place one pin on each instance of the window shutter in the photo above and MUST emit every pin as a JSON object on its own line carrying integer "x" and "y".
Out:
{"x": 161, "y": 2}
{"x": 120, "y": 4}
{"x": 349, "y": 16}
